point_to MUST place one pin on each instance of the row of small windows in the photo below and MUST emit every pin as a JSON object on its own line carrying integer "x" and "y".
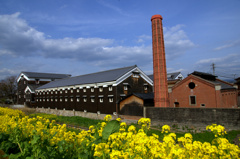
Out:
{"x": 61, "y": 99}
{"x": 92, "y": 89}
{"x": 78, "y": 90}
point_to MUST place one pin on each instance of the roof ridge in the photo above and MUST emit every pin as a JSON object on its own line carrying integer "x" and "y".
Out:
{"x": 105, "y": 71}
{"x": 45, "y": 73}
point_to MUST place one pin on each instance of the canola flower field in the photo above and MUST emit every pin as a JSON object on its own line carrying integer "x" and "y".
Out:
{"x": 38, "y": 137}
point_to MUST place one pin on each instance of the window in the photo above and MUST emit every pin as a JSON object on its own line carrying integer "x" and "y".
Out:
{"x": 66, "y": 99}
{"x": 192, "y": 100}
{"x": 92, "y": 99}
{"x": 55, "y": 92}
{"x": 84, "y": 99}
{"x": 145, "y": 87}
{"x": 78, "y": 90}
{"x": 191, "y": 85}
{"x": 101, "y": 99}
{"x": 100, "y": 89}
{"x": 60, "y": 91}
{"x": 125, "y": 87}
{"x": 78, "y": 99}
{"x": 71, "y": 99}
{"x": 71, "y": 90}
{"x": 92, "y": 89}
{"x": 66, "y": 91}
{"x": 135, "y": 74}
{"x": 202, "y": 105}
{"x": 110, "y": 99}
{"x": 55, "y": 100}
{"x": 110, "y": 88}
{"x": 84, "y": 89}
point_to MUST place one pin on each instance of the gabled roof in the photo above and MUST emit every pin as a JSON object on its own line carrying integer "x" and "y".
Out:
{"x": 144, "y": 96}
{"x": 38, "y": 75}
{"x": 32, "y": 87}
{"x": 204, "y": 75}
{"x": 170, "y": 76}
{"x": 98, "y": 77}
{"x": 45, "y": 75}
{"x": 208, "y": 79}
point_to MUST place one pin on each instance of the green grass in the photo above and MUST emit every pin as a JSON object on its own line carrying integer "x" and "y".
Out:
{"x": 73, "y": 120}
{"x": 204, "y": 136}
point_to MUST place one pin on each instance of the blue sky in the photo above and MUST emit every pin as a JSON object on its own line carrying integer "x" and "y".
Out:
{"x": 85, "y": 36}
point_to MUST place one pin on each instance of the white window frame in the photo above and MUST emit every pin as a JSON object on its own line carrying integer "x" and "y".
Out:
{"x": 110, "y": 99}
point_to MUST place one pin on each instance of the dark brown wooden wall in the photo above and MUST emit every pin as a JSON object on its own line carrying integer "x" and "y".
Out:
{"x": 105, "y": 107}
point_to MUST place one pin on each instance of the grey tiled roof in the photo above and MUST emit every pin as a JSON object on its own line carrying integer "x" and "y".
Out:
{"x": 145, "y": 96}
{"x": 213, "y": 79}
{"x": 223, "y": 85}
{"x": 104, "y": 76}
{"x": 38, "y": 75}
{"x": 170, "y": 76}
{"x": 33, "y": 87}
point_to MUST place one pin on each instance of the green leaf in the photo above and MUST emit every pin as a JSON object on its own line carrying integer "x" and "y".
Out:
{"x": 111, "y": 127}
{"x": 35, "y": 140}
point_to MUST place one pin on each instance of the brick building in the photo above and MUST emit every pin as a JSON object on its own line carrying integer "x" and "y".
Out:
{"x": 28, "y": 82}
{"x": 97, "y": 92}
{"x": 238, "y": 84}
{"x": 203, "y": 90}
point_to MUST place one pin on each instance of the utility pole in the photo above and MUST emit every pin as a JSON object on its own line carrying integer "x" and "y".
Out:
{"x": 213, "y": 68}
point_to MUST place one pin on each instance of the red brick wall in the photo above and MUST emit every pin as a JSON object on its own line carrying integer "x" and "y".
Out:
{"x": 229, "y": 99}
{"x": 204, "y": 93}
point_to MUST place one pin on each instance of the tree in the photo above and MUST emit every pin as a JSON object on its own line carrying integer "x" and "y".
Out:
{"x": 8, "y": 88}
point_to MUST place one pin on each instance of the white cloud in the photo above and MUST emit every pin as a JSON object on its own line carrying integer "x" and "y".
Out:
{"x": 18, "y": 39}
{"x": 229, "y": 64}
{"x": 176, "y": 42}
{"x": 232, "y": 44}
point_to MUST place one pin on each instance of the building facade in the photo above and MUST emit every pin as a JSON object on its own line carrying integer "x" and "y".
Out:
{"x": 28, "y": 82}
{"x": 97, "y": 92}
{"x": 238, "y": 84}
{"x": 202, "y": 90}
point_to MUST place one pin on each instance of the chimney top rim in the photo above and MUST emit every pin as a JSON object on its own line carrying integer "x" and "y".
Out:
{"x": 157, "y": 16}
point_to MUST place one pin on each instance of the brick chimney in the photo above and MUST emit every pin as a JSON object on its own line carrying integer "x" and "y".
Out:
{"x": 159, "y": 64}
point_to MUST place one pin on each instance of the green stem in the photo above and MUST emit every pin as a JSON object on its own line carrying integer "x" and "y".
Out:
{"x": 19, "y": 147}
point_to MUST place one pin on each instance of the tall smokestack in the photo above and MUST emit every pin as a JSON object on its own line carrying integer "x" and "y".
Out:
{"x": 159, "y": 64}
